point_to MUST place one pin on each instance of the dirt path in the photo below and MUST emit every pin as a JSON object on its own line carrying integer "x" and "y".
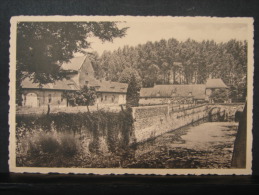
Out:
{"x": 208, "y": 145}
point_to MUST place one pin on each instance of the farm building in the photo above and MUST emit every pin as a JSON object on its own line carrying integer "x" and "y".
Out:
{"x": 180, "y": 93}
{"x": 213, "y": 84}
{"x": 35, "y": 96}
{"x": 81, "y": 74}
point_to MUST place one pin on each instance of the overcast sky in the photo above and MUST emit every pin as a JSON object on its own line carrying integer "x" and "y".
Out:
{"x": 141, "y": 32}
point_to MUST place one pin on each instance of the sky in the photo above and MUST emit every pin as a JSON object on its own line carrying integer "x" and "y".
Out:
{"x": 140, "y": 32}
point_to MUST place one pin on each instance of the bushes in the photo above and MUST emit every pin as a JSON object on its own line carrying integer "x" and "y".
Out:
{"x": 68, "y": 145}
{"x": 61, "y": 139}
{"x": 49, "y": 149}
{"x": 46, "y": 144}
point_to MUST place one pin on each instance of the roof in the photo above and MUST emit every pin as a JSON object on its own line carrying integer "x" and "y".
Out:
{"x": 112, "y": 87}
{"x": 215, "y": 83}
{"x": 68, "y": 85}
{"x": 86, "y": 66}
{"x": 74, "y": 63}
{"x": 107, "y": 86}
{"x": 196, "y": 90}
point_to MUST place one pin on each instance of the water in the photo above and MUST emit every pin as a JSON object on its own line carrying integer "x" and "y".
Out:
{"x": 208, "y": 145}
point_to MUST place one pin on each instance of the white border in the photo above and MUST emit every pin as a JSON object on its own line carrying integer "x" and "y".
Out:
{"x": 103, "y": 171}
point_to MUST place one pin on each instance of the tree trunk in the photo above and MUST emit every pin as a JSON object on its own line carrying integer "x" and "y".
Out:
{"x": 174, "y": 75}
{"x": 48, "y": 109}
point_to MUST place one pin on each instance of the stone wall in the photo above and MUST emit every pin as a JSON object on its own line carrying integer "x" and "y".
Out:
{"x": 152, "y": 121}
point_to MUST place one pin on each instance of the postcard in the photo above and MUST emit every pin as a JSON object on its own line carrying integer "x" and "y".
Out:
{"x": 131, "y": 94}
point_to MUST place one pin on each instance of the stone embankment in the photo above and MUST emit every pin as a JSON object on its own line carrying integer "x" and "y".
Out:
{"x": 152, "y": 121}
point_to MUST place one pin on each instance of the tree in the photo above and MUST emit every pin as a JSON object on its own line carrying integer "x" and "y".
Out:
{"x": 85, "y": 97}
{"x": 187, "y": 62}
{"x": 220, "y": 95}
{"x": 133, "y": 79}
{"x": 42, "y": 47}
{"x": 150, "y": 75}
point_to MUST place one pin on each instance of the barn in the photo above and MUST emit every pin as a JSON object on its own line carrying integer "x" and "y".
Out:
{"x": 34, "y": 95}
{"x": 81, "y": 73}
{"x": 194, "y": 93}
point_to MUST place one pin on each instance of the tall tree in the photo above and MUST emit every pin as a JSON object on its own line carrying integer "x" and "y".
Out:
{"x": 184, "y": 62}
{"x": 133, "y": 79}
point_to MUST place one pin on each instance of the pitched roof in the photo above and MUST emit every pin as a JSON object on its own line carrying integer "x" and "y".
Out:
{"x": 109, "y": 86}
{"x": 64, "y": 84}
{"x": 215, "y": 83}
{"x": 74, "y": 63}
{"x": 87, "y": 66}
{"x": 197, "y": 91}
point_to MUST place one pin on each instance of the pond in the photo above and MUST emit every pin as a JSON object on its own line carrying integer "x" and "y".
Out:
{"x": 208, "y": 145}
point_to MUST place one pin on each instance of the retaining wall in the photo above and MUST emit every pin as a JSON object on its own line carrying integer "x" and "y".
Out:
{"x": 152, "y": 121}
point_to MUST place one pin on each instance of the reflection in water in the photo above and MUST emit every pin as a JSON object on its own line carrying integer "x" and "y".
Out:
{"x": 208, "y": 145}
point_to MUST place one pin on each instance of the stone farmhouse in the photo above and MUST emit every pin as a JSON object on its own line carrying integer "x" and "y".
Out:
{"x": 51, "y": 93}
{"x": 181, "y": 93}
{"x": 81, "y": 74}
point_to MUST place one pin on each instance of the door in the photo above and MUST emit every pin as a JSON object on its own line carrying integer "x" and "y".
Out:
{"x": 31, "y": 100}
{"x": 121, "y": 99}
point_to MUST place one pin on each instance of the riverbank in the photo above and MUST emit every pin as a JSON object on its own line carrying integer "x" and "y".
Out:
{"x": 208, "y": 145}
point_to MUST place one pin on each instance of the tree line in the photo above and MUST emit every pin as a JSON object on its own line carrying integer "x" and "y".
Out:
{"x": 173, "y": 62}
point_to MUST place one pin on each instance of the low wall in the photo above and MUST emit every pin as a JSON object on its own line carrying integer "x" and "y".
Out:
{"x": 152, "y": 121}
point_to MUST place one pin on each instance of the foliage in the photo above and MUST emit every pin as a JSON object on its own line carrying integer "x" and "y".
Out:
{"x": 85, "y": 97}
{"x": 48, "y": 149}
{"x": 220, "y": 95}
{"x": 69, "y": 146}
{"x": 43, "y": 46}
{"x": 173, "y": 62}
{"x": 74, "y": 139}
{"x": 133, "y": 79}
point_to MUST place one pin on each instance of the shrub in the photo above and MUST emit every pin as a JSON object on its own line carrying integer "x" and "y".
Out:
{"x": 68, "y": 145}
{"x": 67, "y": 139}
{"x": 43, "y": 143}
{"x": 220, "y": 95}
{"x": 49, "y": 144}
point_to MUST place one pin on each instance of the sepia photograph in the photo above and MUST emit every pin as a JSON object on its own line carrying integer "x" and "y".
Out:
{"x": 130, "y": 94}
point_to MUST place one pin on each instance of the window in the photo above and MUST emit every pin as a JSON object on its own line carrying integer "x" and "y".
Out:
{"x": 105, "y": 98}
{"x": 86, "y": 82}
